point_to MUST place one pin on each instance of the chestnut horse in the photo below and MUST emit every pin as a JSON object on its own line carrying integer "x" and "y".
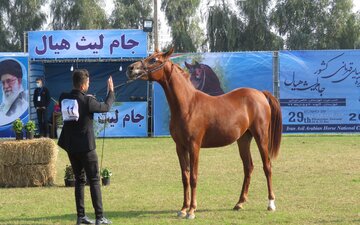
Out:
{"x": 200, "y": 120}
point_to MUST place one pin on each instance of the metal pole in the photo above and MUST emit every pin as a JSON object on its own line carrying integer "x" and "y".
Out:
{"x": 276, "y": 83}
{"x": 25, "y": 42}
{"x": 150, "y": 86}
{"x": 156, "y": 38}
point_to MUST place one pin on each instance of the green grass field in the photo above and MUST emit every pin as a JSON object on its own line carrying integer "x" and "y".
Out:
{"x": 316, "y": 181}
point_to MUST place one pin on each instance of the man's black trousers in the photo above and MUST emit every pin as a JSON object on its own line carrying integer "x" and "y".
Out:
{"x": 42, "y": 121}
{"x": 82, "y": 163}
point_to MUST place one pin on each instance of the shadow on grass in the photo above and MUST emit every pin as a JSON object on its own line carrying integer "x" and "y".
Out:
{"x": 112, "y": 215}
{"x": 66, "y": 219}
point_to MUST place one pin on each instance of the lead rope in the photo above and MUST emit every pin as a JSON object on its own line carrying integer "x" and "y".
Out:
{"x": 120, "y": 85}
{"x": 103, "y": 143}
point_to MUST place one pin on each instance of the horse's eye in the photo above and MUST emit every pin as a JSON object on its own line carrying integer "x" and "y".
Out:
{"x": 152, "y": 60}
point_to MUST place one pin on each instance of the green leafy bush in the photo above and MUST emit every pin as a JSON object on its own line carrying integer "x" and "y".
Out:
{"x": 30, "y": 126}
{"x": 18, "y": 126}
{"x": 106, "y": 173}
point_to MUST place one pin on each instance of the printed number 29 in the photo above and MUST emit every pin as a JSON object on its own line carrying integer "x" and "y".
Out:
{"x": 296, "y": 117}
{"x": 354, "y": 116}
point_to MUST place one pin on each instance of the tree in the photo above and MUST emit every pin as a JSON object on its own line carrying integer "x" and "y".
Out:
{"x": 245, "y": 27}
{"x": 257, "y": 34}
{"x": 17, "y": 17}
{"x": 4, "y": 34}
{"x": 342, "y": 26}
{"x": 357, "y": 37}
{"x": 325, "y": 24}
{"x": 130, "y": 13}
{"x": 77, "y": 14}
{"x": 185, "y": 31}
{"x": 224, "y": 29}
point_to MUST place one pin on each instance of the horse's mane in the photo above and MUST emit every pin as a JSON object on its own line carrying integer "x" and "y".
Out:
{"x": 184, "y": 73}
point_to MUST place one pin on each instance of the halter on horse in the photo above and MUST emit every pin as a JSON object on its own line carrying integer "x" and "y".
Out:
{"x": 200, "y": 120}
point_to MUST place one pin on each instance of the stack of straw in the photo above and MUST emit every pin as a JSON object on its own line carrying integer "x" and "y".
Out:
{"x": 28, "y": 163}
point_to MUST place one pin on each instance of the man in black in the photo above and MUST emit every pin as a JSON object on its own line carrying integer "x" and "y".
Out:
{"x": 78, "y": 139}
{"x": 41, "y": 101}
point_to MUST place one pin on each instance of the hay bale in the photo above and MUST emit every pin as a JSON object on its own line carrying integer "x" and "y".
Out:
{"x": 28, "y": 162}
{"x": 28, "y": 152}
{"x": 28, "y": 175}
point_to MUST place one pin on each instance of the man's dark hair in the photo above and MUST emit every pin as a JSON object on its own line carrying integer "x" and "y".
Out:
{"x": 80, "y": 77}
{"x": 38, "y": 79}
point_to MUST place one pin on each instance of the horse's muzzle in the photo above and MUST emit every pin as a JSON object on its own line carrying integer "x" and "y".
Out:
{"x": 130, "y": 72}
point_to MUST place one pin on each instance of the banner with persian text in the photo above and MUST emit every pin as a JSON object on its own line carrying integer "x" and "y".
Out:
{"x": 125, "y": 119}
{"x": 68, "y": 44}
{"x": 320, "y": 91}
{"x": 14, "y": 95}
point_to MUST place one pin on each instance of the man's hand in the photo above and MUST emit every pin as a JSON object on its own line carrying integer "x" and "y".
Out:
{"x": 110, "y": 84}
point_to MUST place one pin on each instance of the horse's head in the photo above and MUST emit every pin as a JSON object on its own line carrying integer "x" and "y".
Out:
{"x": 151, "y": 68}
{"x": 197, "y": 74}
{"x": 204, "y": 78}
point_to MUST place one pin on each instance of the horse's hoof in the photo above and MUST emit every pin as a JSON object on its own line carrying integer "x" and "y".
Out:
{"x": 271, "y": 206}
{"x": 181, "y": 214}
{"x": 238, "y": 207}
{"x": 190, "y": 216}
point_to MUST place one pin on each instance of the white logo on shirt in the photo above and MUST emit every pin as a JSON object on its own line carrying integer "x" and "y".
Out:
{"x": 70, "y": 110}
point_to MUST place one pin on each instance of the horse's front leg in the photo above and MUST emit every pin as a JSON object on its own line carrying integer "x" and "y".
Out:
{"x": 194, "y": 162}
{"x": 184, "y": 161}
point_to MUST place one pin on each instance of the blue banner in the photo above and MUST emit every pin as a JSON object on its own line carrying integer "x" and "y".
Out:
{"x": 320, "y": 91}
{"x": 125, "y": 119}
{"x": 14, "y": 102}
{"x": 87, "y": 44}
{"x": 215, "y": 74}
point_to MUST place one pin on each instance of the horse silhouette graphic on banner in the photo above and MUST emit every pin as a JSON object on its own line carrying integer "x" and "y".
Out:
{"x": 204, "y": 79}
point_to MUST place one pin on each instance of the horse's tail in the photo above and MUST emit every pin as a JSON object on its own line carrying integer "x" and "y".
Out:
{"x": 275, "y": 128}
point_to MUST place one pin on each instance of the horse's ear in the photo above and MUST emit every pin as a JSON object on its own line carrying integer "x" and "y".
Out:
{"x": 196, "y": 63}
{"x": 168, "y": 53}
{"x": 187, "y": 65}
{"x": 157, "y": 50}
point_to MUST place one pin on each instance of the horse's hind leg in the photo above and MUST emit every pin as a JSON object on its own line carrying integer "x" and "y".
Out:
{"x": 262, "y": 142}
{"x": 245, "y": 154}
